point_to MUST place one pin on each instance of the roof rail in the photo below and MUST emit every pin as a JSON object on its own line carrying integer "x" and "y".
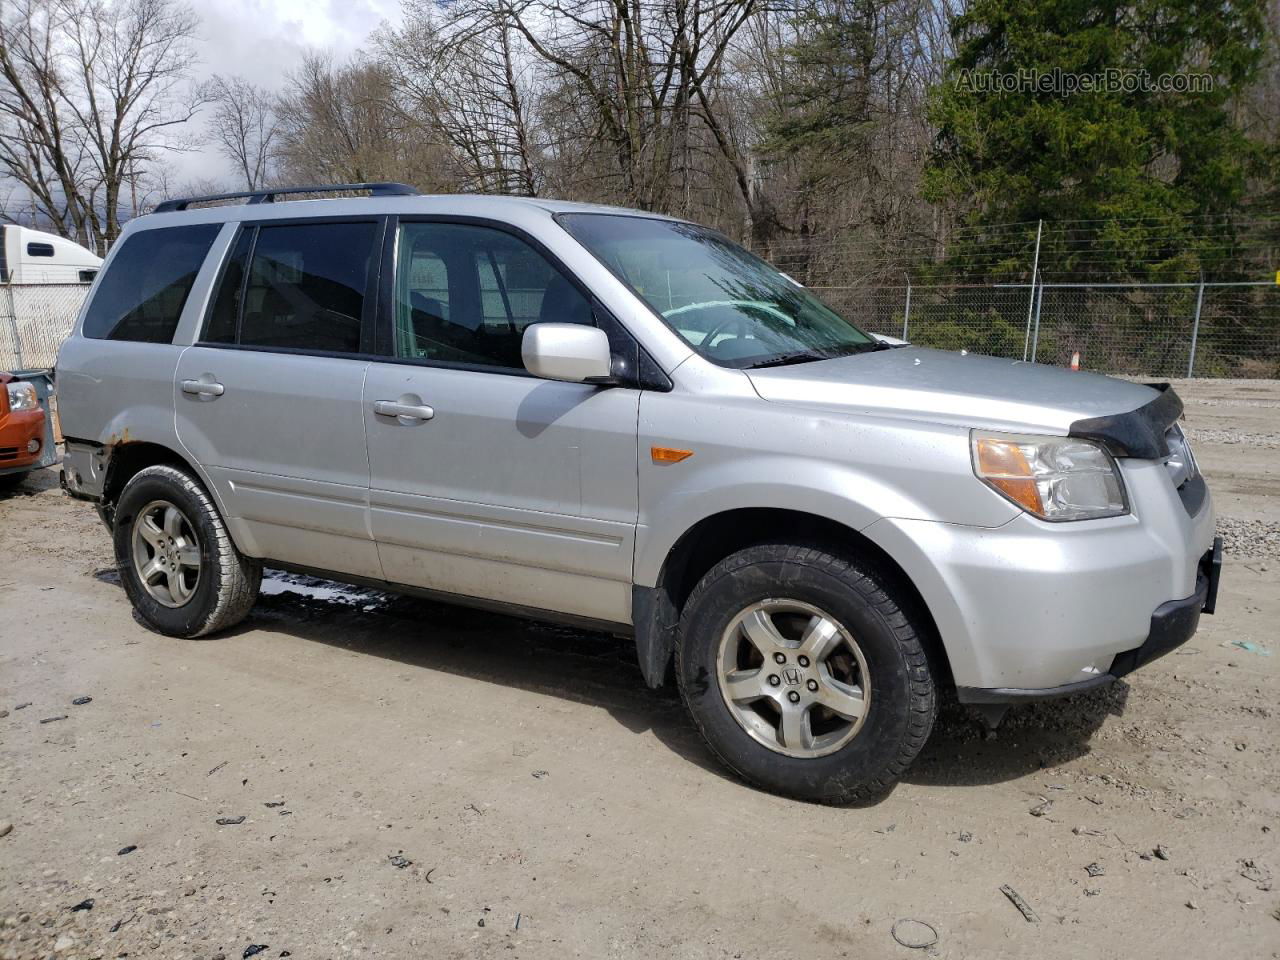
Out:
{"x": 269, "y": 196}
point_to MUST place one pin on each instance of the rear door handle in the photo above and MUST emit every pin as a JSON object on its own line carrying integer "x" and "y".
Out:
{"x": 201, "y": 388}
{"x": 405, "y": 411}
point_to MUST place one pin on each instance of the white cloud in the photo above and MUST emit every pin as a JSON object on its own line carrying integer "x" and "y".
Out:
{"x": 262, "y": 40}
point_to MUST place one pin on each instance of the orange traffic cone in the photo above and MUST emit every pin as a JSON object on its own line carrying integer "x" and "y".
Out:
{"x": 1075, "y": 360}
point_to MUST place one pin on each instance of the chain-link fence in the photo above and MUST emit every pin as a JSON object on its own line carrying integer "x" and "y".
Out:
{"x": 1171, "y": 330}
{"x": 1158, "y": 330}
{"x": 34, "y": 320}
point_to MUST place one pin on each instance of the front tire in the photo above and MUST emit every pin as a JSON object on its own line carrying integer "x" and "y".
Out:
{"x": 804, "y": 674}
{"x": 176, "y": 560}
{"x": 11, "y": 481}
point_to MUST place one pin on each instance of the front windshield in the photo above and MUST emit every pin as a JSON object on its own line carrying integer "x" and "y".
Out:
{"x": 726, "y": 303}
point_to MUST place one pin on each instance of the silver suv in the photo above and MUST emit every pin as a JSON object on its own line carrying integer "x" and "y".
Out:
{"x": 626, "y": 421}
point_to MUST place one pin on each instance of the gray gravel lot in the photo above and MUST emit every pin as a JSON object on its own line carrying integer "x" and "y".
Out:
{"x": 354, "y": 774}
{"x": 1250, "y": 538}
{"x": 1268, "y": 440}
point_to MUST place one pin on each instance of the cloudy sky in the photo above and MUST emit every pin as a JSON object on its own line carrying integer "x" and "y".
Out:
{"x": 262, "y": 40}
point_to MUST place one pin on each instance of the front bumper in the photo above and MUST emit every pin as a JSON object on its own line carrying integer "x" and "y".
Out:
{"x": 17, "y": 431}
{"x": 1032, "y": 606}
{"x": 1172, "y": 624}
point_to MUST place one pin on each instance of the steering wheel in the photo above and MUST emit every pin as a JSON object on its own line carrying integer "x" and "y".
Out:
{"x": 738, "y": 322}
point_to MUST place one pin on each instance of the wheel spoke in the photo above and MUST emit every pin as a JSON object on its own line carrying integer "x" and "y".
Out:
{"x": 149, "y": 530}
{"x": 178, "y": 587}
{"x": 173, "y": 522}
{"x": 189, "y": 556}
{"x": 793, "y": 729}
{"x": 152, "y": 569}
{"x": 759, "y": 628}
{"x": 821, "y": 636}
{"x": 840, "y": 698}
{"x": 744, "y": 686}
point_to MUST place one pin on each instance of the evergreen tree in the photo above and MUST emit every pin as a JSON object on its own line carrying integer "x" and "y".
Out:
{"x": 1136, "y": 157}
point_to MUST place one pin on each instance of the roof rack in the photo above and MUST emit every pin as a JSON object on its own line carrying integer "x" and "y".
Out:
{"x": 269, "y": 196}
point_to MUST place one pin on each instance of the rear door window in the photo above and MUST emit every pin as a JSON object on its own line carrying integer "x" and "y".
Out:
{"x": 146, "y": 286}
{"x": 295, "y": 287}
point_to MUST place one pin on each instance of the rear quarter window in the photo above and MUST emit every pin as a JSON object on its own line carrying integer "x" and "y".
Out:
{"x": 147, "y": 284}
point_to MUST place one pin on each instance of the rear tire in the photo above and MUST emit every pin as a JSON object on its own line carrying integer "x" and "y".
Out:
{"x": 803, "y": 674}
{"x": 176, "y": 560}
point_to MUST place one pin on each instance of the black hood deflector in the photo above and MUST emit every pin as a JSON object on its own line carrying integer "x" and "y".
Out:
{"x": 1138, "y": 433}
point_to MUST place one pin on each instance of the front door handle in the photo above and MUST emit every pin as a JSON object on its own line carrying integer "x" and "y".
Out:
{"x": 404, "y": 411}
{"x": 202, "y": 388}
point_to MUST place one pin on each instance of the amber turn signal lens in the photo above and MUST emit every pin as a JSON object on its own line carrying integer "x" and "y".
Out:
{"x": 669, "y": 454}
{"x": 1003, "y": 465}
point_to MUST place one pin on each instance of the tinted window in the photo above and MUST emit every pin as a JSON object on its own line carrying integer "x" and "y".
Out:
{"x": 225, "y": 313}
{"x": 144, "y": 291}
{"x": 306, "y": 287}
{"x": 39, "y": 249}
{"x": 465, "y": 294}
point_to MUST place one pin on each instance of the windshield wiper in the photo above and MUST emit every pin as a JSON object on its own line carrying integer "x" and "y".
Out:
{"x": 782, "y": 359}
{"x": 871, "y": 346}
{"x": 804, "y": 356}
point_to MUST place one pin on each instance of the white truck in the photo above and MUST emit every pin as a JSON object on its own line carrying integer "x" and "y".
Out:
{"x": 31, "y": 257}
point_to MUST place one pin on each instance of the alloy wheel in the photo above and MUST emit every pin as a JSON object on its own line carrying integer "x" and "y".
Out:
{"x": 793, "y": 677}
{"x": 166, "y": 553}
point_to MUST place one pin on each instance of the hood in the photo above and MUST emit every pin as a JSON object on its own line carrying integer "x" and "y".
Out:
{"x": 967, "y": 390}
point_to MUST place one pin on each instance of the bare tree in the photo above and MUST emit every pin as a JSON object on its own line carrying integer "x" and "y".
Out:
{"x": 40, "y": 146}
{"x": 641, "y": 67}
{"x": 245, "y": 127}
{"x": 342, "y": 123}
{"x": 90, "y": 92}
{"x": 132, "y": 60}
{"x": 612, "y": 100}
{"x": 468, "y": 83}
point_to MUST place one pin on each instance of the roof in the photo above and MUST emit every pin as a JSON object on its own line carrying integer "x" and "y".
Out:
{"x": 384, "y": 199}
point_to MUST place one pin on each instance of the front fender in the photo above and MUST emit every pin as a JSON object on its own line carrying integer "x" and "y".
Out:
{"x": 747, "y": 453}
{"x": 722, "y": 489}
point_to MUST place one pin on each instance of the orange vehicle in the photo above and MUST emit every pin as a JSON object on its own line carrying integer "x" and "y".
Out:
{"x": 26, "y": 435}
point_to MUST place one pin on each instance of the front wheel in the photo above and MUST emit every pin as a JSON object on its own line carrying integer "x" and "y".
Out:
{"x": 176, "y": 560}
{"x": 804, "y": 674}
{"x": 11, "y": 481}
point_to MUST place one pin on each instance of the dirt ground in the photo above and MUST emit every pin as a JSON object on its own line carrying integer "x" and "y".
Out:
{"x": 425, "y": 781}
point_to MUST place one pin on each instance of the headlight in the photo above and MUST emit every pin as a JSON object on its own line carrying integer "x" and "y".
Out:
{"x": 22, "y": 396}
{"x": 1054, "y": 478}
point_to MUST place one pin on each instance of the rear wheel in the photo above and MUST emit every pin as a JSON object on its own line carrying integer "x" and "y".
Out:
{"x": 176, "y": 560}
{"x": 803, "y": 674}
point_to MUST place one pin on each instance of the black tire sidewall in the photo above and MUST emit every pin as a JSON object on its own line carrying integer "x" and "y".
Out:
{"x": 878, "y": 745}
{"x": 191, "y": 617}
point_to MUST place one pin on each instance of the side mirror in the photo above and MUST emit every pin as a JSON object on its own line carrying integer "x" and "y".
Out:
{"x": 567, "y": 351}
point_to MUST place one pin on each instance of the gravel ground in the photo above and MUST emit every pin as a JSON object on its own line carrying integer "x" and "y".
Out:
{"x": 354, "y": 774}
{"x": 1267, "y": 440}
{"x": 1250, "y": 538}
